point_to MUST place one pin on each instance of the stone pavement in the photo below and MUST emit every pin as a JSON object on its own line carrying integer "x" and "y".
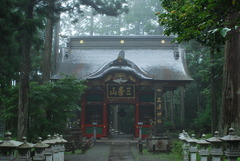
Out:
{"x": 117, "y": 149}
{"x": 114, "y": 149}
{"x": 121, "y": 152}
{"x": 99, "y": 152}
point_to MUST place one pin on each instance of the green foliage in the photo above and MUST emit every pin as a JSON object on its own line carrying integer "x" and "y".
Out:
{"x": 177, "y": 147}
{"x": 198, "y": 94}
{"x": 202, "y": 20}
{"x": 9, "y": 46}
{"x": 9, "y": 111}
{"x": 51, "y": 106}
{"x": 168, "y": 124}
{"x": 202, "y": 122}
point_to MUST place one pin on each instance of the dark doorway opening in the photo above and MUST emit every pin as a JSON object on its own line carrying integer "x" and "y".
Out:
{"x": 121, "y": 119}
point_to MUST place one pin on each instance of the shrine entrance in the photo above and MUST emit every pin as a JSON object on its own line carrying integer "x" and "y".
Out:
{"x": 126, "y": 78}
{"x": 121, "y": 102}
{"x": 121, "y": 119}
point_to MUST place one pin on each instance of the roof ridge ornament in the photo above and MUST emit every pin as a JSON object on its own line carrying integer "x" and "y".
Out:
{"x": 120, "y": 61}
{"x": 121, "y": 54}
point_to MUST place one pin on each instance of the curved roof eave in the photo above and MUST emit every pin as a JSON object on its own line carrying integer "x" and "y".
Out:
{"x": 151, "y": 58}
{"x": 119, "y": 69}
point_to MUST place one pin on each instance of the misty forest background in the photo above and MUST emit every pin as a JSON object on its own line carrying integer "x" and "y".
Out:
{"x": 31, "y": 31}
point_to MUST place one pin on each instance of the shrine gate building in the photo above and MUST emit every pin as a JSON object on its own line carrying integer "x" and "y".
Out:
{"x": 126, "y": 77}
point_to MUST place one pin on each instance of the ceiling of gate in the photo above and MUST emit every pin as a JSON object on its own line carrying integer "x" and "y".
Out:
{"x": 153, "y": 57}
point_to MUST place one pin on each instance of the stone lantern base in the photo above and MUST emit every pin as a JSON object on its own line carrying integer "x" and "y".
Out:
{"x": 158, "y": 143}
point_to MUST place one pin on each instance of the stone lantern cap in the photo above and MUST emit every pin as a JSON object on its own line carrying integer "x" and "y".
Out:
{"x": 56, "y": 138}
{"x": 40, "y": 144}
{"x": 231, "y": 137}
{"x": 59, "y": 139}
{"x": 184, "y": 136}
{"x": 25, "y": 144}
{"x": 203, "y": 140}
{"x": 49, "y": 140}
{"x": 7, "y": 142}
{"x": 215, "y": 139}
{"x": 63, "y": 140}
{"x": 192, "y": 140}
{"x": 181, "y": 135}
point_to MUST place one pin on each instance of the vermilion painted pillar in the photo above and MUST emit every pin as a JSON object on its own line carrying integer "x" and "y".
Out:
{"x": 136, "y": 120}
{"x": 136, "y": 112}
{"x": 105, "y": 119}
{"x": 83, "y": 114}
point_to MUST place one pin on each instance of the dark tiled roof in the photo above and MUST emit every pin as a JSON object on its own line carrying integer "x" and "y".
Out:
{"x": 90, "y": 57}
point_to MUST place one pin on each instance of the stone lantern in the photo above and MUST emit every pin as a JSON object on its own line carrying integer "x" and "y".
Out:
{"x": 24, "y": 150}
{"x": 232, "y": 141}
{"x": 203, "y": 145}
{"x": 39, "y": 150}
{"x": 184, "y": 137}
{"x": 62, "y": 147}
{"x": 216, "y": 145}
{"x": 49, "y": 150}
{"x": 8, "y": 147}
{"x": 56, "y": 147}
{"x": 193, "y": 148}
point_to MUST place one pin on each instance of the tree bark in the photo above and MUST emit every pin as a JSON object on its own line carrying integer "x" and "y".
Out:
{"x": 213, "y": 95}
{"x": 230, "y": 113}
{"x": 48, "y": 45}
{"x": 56, "y": 44}
{"x": 92, "y": 22}
{"x": 23, "y": 104}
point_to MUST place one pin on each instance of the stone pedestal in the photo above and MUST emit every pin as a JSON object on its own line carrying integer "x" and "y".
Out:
{"x": 193, "y": 148}
{"x": 8, "y": 147}
{"x": 203, "y": 148}
{"x": 232, "y": 141}
{"x": 39, "y": 150}
{"x": 185, "y": 147}
{"x": 24, "y": 151}
{"x": 48, "y": 153}
{"x": 216, "y": 144}
{"x": 62, "y": 148}
{"x": 158, "y": 143}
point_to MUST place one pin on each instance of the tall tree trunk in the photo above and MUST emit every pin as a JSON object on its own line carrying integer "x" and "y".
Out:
{"x": 198, "y": 97}
{"x": 23, "y": 104}
{"x": 56, "y": 44}
{"x": 213, "y": 95}
{"x": 48, "y": 45}
{"x": 92, "y": 22}
{"x": 119, "y": 25}
{"x": 230, "y": 113}
{"x": 138, "y": 28}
